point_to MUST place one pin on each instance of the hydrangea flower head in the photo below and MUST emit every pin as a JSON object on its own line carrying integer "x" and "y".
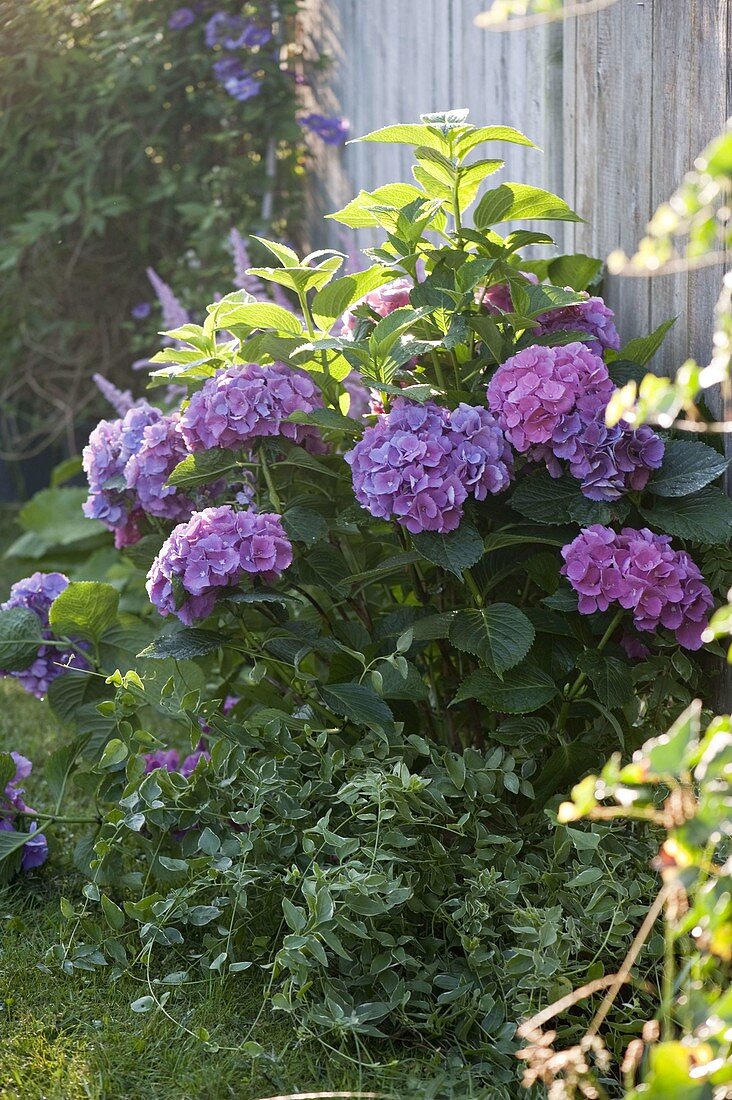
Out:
{"x": 240, "y": 404}
{"x": 36, "y": 593}
{"x": 641, "y": 572}
{"x": 215, "y": 549}
{"x": 12, "y": 802}
{"x": 147, "y": 471}
{"x": 613, "y": 461}
{"x": 542, "y": 396}
{"x": 417, "y": 464}
{"x": 383, "y": 301}
{"x": 591, "y": 316}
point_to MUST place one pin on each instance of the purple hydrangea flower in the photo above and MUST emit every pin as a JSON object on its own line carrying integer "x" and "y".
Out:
{"x": 147, "y": 471}
{"x": 215, "y": 549}
{"x": 591, "y": 316}
{"x": 333, "y": 131}
{"x": 543, "y": 397}
{"x": 612, "y": 461}
{"x": 141, "y": 311}
{"x": 383, "y": 301}
{"x": 243, "y": 88}
{"x": 180, "y": 18}
{"x": 641, "y": 572}
{"x": 239, "y": 404}
{"x": 36, "y": 593}
{"x": 192, "y": 761}
{"x": 12, "y": 802}
{"x": 418, "y": 464}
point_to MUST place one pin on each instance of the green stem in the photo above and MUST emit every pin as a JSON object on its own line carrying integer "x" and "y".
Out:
{"x": 310, "y": 324}
{"x": 477, "y": 594}
{"x": 669, "y": 977}
{"x": 53, "y": 819}
{"x": 438, "y": 372}
{"x": 577, "y": 685}
{"x": 273, "y": 496}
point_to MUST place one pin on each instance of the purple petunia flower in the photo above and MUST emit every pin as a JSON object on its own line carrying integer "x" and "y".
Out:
{"x": 640, "y": 571}
{"x": 192, "y": 761}
{"x": 180, "y": 18}
{"x": 243, "y": 88}
{"x": 418, "y": 464}
{"x": 167, "y": 759}
{"x": 141, "y": 311}
{"x": 234, "y": 32}
{"x": 215, "y": 549}
{"x": 333, "y": 131}
{"x": 35, "y": 850}
{"x": 36, "y": 593}
{"x": 239, "y": 404}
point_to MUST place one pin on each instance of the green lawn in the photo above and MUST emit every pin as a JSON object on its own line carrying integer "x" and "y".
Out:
{"x": 75, "y": 1038}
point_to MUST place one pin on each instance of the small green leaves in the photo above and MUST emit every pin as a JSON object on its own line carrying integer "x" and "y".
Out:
{"x": 519, "y": 202}
{"x": 500, "y": 635}
{"x": 258, "y": 315}
{"x": 20, "y": 638}
{"x": 688, "y": 466}
{"x": 85, "y": 609}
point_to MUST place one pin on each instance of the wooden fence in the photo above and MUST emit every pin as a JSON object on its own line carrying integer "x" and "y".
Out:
{"x": 621, "y": 102}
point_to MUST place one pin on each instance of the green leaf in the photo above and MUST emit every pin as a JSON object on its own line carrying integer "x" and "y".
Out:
{"x": 11, "y": 842}
{"x": 644, "y": 348}
{"x": 523, "y": 689}
{"x": 500, "y": 635}
{"x": 327, "y": 418}
{"x": 60, "y": 765}
{"x": 609, "y": 676}
{"x": 115, "y": 752}
{"x": 329, "y": 303}
{"x": 286, "y": 256}
{"x": 54, "y": 518}
{"x": 203, "y": 467}
{"x": 357, "y": 214}
{"x": 184, "y": 644}
{"x": 491, "y": 133}
{"x": 113, "y": 915}
{"x": 563, "y": 767}
{"x": 705, "y": 517}
{"x": 456, "y": 551}
{"x": 544, "y": 298}
{"x": 407, "y": 134}
{"x": 688, "y": 466}
{"x": 85, "y": 609}
{"x": 576, "y": 271}
{"x": 360, "y": 704}
{"x": 543, "y": 499}
{"x": 259, "y": 315}
{"x": 71, "y": 693}
{"x": 667, "y": 755}
{"x": 305, "y": 525}
{"x": 20, "y": 638}
{"x": 518, "y": 201}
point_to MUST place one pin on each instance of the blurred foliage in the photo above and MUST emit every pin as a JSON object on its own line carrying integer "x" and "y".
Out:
{"x": 120, "y": 149}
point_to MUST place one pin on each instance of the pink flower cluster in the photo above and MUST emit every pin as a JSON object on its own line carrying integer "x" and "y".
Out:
{"x": 216, "y": 548}
{"x": 419, "y": 463}
{"x": 240, "y": 404}
{"x": 591, "y": 315}
{"x": 641, "y": 572}
{"x": 383, "y": 301}
{"x": 551, "y": 404}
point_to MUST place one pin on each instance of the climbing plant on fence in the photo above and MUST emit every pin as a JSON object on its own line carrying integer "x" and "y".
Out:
{"x": 404, "y": 587}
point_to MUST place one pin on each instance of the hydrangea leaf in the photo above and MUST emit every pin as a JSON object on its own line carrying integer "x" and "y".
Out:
{"x": 688, "y": 465}
{"x": 184, "y": 644}
{"x": 519, "y": 201}
{"x": 501, "y": 635}
{"x": 20, "y": 638}
{"x": 609, "y": 676}
{"x": 85, "y": 609}
{"x": 704, "y": 517}
{"x": 360, "y": 704}
{"x": 456, "y": 551}
{"x": 521, "y": 690}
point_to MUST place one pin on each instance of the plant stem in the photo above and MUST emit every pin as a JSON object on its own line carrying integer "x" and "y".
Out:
{"x": 669, "y": 976}
{"x": 273, "y": 496}
{"x": 577, "y": 685}
{"x": 470, "y": 581}
{"x": 438, "y": 372}
{"x": 54, "y": 819}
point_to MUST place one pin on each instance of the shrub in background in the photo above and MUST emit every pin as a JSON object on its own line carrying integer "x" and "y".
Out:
{"x": 418, "y": 604}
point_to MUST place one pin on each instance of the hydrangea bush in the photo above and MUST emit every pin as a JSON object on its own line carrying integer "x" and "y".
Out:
{"x": 405, "y": 588}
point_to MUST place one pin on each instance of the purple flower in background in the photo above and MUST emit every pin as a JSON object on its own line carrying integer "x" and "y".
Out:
{"x": 543, "y": 396}
{"x": 174, "y": 315}
{"x": 226, "y": 30}
{"x": 180, "y": 18}
{"x": 192, "y": 761}
{"x": 148, "y": 469}
{"x": 228, "y": 68}
{"x": 497, "y": 298}
{"x": 35, "y": 850}
{"x": 333, "y": 131}
{"x": 120, "y": 400}
{"x": 217, "y": 548}
{"x": 36, "y": 593}
{"x": 383, "y": 301}
{"x": 168, "y": 759}
{"x": 140, "y": 311}
{"x": 242, "y": 403}
{"x": 358, "y": 394}
{"x": 418, "y": 464}
{"x": 12, "y": 797}
{"x": 242, "y": 263}
{"x": 641, "y": 572}
{"x": 591, "y": 316}
{"x": 243, "y": 88}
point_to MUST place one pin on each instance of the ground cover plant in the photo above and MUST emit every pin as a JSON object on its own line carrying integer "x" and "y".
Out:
{"x": 404, "y": 587}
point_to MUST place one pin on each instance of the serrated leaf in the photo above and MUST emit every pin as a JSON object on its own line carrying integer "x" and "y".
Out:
{"x": 85, "y": 609}
{"x": 202, "y": 468}
{"x": 642, "y": 349}
{"x": 360, "y": 704}
{"x": 491, "y": 133}
{"x": 688, "y": 465}
{"x": 286, "y": 256}
{"x": 71, "y": 693}
{"x": 456, "y": 551}
{"x": 305, "y": 525}
{"x": 544, "y": 499}
{"x": 501, "y": 635}
{"x": 357, "y": 214}
{"x": 518, "y": 202}
{"x": 576, "y": 271}
{"x": 259, "y": 315}
{"x": 335, "y": 299}
{"x": 523, "y": 689}
{"x": 704, "y": 517}
{"x": 60, "y": 766}
{"x": 407, "y": 134}
{"x": 20, "y": 638}
{"x": 184, "y": 644}
{"x": 609, "y": 676}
